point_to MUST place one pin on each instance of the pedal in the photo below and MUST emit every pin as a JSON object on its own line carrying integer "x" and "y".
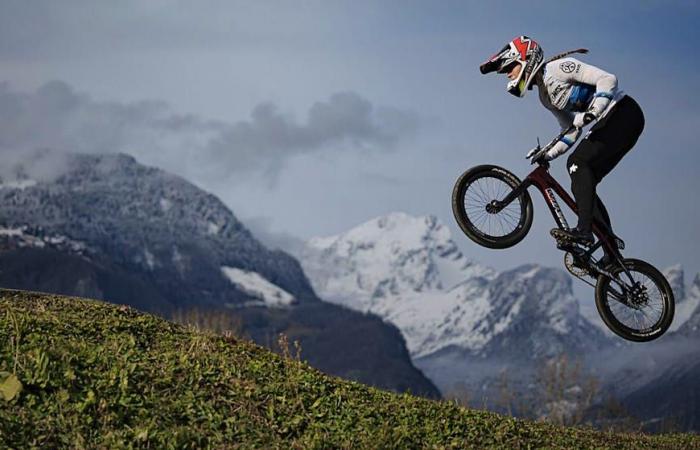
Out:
{"x": 564, "y": 241}
{"x": 557, "y": 234}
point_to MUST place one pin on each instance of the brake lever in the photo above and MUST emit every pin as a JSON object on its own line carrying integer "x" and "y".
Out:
{"x": 534, "y": 151}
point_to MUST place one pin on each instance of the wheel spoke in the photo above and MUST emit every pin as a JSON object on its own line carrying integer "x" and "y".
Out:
{"x": 478, "y": 196}
{"x": 480, "y": 193}
{"x": 484, "y": 194}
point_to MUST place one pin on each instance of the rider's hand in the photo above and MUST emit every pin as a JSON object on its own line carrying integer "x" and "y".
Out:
{"x": 533, "y": 152}
{"x": 583, "y": 118}
{"x": 558, "y": 148}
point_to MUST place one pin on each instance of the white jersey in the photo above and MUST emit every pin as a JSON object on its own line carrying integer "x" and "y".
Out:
{"x": 567, "y": 86}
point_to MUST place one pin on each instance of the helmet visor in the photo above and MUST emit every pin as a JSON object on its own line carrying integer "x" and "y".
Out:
{"x": 496, "y": 62}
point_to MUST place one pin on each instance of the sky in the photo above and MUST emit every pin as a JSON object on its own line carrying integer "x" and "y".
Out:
{"x": 310, "y": 117}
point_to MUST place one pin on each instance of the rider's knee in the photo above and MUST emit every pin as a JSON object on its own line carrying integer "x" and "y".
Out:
{"x": 579, "y": 169}
{"x": 572, "y": 164}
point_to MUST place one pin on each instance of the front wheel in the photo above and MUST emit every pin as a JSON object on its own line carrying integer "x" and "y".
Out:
{"x": 474, "y": 191}
{"x": 637, "y": 304}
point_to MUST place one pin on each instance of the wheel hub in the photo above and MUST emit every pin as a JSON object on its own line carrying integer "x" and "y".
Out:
{"x": 638, "y": 295}
{"x": 493, "y": 207}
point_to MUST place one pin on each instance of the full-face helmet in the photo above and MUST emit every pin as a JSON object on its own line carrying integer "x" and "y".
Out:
{"x": 521, "y": 50}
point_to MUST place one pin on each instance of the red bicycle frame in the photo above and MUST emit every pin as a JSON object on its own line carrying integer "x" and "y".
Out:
{"x": 545, "y": 183}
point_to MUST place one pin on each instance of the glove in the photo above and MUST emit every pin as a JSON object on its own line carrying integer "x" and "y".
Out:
{"x": 583, "y": 118}
{"x": 558, "y": 148}
{"x": 532, "y": 152}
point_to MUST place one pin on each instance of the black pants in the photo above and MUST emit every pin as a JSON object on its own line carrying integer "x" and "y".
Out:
{"x": 607, "y": 142}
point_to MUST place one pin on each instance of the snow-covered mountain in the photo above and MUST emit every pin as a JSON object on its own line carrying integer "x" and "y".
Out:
{"x": 691, "y": 310}
{"x": 687, "y": 300}
{"x": 107, "y": 227}
{"x": 409, "y": 271}
{"x": 147, "y": 220}
{"x": 675, "y": 275}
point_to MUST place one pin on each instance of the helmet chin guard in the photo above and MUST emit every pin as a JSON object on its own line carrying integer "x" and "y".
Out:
{"x": 521, "y": 50}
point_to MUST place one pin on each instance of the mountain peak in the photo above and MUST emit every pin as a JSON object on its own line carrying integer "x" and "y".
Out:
{"x": 408, "y": 270}
{"x": 150, "y": 220}
{"x": 676, "y": 278}
{"x": 687, "y": 315}
{"x": 393, "y": 229}
{"x": 396, "y": 251}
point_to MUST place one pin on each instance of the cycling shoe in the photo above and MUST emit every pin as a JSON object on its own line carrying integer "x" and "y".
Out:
{"x": 573, "y": 236}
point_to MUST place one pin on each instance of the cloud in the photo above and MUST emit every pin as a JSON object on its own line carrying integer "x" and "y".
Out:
{"x": 261, "y": 227}
{"x": 57, "y": 117}
{"x": 345, "y": 122}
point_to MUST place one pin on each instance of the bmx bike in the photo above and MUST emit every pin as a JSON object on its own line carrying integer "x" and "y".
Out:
{"x": 494, "y": 209}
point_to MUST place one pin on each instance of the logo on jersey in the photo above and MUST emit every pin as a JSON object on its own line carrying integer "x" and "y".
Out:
{"x": 573, "y": 168}
{"x": 567, "y": 66}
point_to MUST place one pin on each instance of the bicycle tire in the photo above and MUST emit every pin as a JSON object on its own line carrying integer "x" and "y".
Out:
{"x": 469, "y": 209}
{"x": 603, "y": 302}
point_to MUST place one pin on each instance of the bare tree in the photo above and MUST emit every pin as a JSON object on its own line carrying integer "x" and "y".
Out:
{"x": 510, "y": 400}
{"x": 565, "y": 391}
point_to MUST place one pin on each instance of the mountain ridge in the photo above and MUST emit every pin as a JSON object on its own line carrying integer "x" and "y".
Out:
{"x": 409, "y": 270}
{"x": 109, "y": 227}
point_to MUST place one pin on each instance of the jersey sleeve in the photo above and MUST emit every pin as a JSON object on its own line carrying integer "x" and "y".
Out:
{"x": 565, "y": 119}
{"x": 573, "y": 70}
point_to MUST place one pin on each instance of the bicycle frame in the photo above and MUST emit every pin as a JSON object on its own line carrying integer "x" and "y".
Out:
{"x": 545, "y": 183}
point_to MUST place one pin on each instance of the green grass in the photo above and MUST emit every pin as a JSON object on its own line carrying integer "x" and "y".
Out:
{"x": 95, "y": 375}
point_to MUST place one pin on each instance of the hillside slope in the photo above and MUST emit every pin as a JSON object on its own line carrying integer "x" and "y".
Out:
{"x": 98, "y": 375}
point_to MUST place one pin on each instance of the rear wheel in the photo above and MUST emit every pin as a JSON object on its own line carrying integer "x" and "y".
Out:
{"x": 478, "y": 188}
{"x": 639, "y": 306}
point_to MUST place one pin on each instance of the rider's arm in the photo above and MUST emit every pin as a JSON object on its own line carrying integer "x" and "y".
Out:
{"x": 565, "y": 120}
{"x": 604, "y": 82}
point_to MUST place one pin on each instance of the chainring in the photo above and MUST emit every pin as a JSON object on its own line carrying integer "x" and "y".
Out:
{"x": 578, "y": 272}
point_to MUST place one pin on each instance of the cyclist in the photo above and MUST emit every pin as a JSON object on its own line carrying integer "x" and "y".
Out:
{"x": 577, "y": 94}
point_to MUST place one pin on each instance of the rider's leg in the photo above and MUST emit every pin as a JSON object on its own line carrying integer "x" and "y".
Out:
{"x": 599, "y": 152}
{"x": 584, "y": 180}
{"x": 600, "y": 213}
{"x": 583, "y": 183}
{"x": 619, "y": 132}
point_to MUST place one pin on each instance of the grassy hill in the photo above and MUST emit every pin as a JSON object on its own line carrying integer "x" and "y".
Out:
{"x": 86, "y": 374}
